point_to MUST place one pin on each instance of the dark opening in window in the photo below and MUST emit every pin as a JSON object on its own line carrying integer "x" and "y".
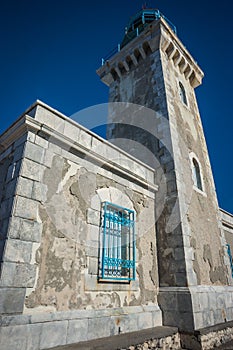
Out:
{"x": 197, "y": 175}
{"x": 183, "y": 94}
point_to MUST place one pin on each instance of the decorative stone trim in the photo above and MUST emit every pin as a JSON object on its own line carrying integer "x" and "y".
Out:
{"x": 136, "y": 49}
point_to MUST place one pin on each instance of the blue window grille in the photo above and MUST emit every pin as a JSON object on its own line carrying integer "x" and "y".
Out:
{"x": 117, "y": 260}
{"x": 230, "y": 257}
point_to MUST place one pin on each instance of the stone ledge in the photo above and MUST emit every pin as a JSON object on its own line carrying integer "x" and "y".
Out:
{"x": 38, "y": 332}
{"x": 215, "y": 328}
{"x": 209, "y": 337}
{"x": 127, "y": 340}
{"x": 76, "y": 314}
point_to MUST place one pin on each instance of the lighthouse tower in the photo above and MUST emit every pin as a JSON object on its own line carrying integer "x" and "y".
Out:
{"x": 152, "y": 80}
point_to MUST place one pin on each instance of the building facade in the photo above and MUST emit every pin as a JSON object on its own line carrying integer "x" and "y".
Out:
{"x": 99, "y": 237}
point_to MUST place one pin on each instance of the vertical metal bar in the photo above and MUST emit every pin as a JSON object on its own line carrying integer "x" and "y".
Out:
{"x": 137, "y": 31}
{"x": 230, "y": 257}
{"x": 143, "y": 18}
{"x": 117, "y": 238}
{"x": 134, "y": 249}
{"x": 103, "y": 252}
{"x": 119, "y": 47}
{"x": 109, "y": 237}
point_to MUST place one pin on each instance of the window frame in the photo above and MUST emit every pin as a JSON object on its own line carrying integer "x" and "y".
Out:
{"x": 201, "y": 190}
{"x": 197, "y": 174}
{"x": 117, "y": 262}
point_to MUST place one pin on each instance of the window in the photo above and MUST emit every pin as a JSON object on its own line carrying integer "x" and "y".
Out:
{"x": 182, "y": 94}
{"x": 117, "y": 256}
{"x": 197, "y": 174}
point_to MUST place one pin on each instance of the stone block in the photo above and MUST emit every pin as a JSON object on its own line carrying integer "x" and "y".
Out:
{"x": 125, "y": 323}
{"x": 11, "y": 338}
{"x": 34, "y": 152}
{"x": 100, "y": 327}
{"x": 92, "y": 250}
{"x": 157, "y": 318}
{"x": 32, "y": 170}
{"x": 77, "y": 331}
{"x": 23, "y": 337}
{"x": 98, "y": 146}
{"x": 204, "y": 301}
{"x": 84, "y": 139}
{"x": 11, "y": 300}
{"x": 34, "y": 335}
{"x": 150, "y": 176}
{"x": 71, "y": 131}
{"x": 145, "y": 320}
{"x": 13, "y": 227}
{"x": 104, "y": 194}
{"x": 119, "y": 198}
{"x": 18, "y": 275}
{"x": 45, "y": 116}
{"x": 17, "y": 251}
{"x": 93, "y": 217}
{"x": 26, "y": 208}
{"x": 168, "y": 301}
{"x": 24, "y": 229}
{"x": 192, "y": 278}
{"x": 53, "y": 334}
{"x": 195, "y": 302}
{"x": 48, "y": 158}
{"x": 95, "y": 203}
{"x": 93, "y": 266}
{"x": 184, "y": 302}
{"x": 54, "y": 148}
{"x": 40, "y": 141}
{"x": 208, "y": 318}
{"x": 24, "y": 187}
{"x": 39, "y": 192}
{"x": 179, "y": 319}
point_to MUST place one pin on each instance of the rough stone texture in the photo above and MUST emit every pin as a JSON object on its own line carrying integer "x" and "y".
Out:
{"x": 53, "y": 334}
{"x": 53, "y": 242}
{"x": 17, "y": 275}
{"x": 11, "y": 300}
{"x": 71, "y": 234}
{"x": 191, "y": 248}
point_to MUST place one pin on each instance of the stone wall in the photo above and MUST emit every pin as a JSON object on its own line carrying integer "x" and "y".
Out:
{"x": 50, "y": 264}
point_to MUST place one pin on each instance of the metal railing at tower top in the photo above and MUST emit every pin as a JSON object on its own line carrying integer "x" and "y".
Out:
{"x": 135, "y": 26}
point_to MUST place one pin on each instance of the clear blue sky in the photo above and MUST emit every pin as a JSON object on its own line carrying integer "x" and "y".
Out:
{"x": 50, "y": 50}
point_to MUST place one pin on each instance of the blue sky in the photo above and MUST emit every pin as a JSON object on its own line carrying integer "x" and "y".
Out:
{"x": 50, "y": 50}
